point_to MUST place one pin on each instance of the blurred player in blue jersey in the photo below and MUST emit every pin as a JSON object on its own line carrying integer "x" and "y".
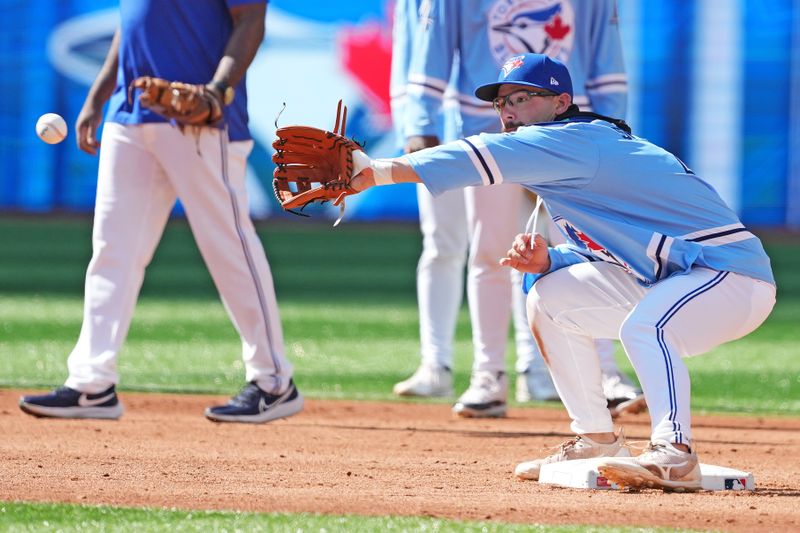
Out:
{"x": 146, "y": 163}
{"x": 477, "y": 36}
{"x": 654, "y": 257}
{"x": 439, "y": 296}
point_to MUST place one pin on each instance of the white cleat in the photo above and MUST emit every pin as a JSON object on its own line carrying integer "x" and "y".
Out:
{"x": 581, "y": 447}
{"x": 427, "y": 382}
{"x": 622, "y": 395}
{"x": 486, "y": 397}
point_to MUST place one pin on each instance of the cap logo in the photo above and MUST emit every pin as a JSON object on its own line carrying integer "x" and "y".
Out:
{"x": 553, "y": 81}
{"x": 524, "y": 26}
{"x": 511, "y": 64}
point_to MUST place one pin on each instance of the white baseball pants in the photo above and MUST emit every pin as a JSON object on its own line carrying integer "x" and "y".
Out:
{"x": 681, "y": 316}
{"x": 440, "y": 272}
{"x": 142, "y": 170}
{"x": 482, "y": 221}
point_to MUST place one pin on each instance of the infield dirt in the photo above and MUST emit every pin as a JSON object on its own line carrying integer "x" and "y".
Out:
{"x": 377, "y": 458}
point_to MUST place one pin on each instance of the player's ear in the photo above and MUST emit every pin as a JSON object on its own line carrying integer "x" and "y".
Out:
{"x": 563, "y": 101}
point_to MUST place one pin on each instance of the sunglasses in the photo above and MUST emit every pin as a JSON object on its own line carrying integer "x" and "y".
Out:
{"x": 516, "y": 98}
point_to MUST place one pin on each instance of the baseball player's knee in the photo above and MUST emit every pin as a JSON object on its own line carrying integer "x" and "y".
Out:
{"x": 635, "y": 332}
{"x": 491, "y": 273}
{"x": 432, "y": 259}
{"x": 444, "y": 251}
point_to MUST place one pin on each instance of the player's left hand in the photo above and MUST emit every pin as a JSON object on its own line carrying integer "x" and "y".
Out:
{"x": 314, "y": 165}
{"x": 185, "y": 103}
{"x": 528, "y": 253}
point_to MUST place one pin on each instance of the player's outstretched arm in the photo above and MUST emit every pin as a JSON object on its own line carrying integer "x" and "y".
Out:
{"x": 528, "y": 253}
{"x": 371, "y": 172}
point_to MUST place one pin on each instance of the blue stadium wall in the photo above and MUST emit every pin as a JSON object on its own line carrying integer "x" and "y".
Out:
{"x": 715, "y": 81}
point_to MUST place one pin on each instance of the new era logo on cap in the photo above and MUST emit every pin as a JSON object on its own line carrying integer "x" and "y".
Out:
{"x": 553, "y": 81}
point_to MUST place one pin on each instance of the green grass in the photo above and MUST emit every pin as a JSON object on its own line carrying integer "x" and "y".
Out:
{"x": 30, "y": 518}
{"x": 347, "y": 299}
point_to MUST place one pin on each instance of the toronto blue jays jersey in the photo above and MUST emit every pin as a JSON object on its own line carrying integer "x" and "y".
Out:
{"x": 407, "y": 14}
{"x": 405, "y": 19}
{"x": 616, "y": 197}
{"x": 178, "y": 40}
{"x": 477, "y": 36}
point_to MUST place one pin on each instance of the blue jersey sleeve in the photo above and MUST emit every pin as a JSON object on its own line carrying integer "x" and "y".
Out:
{"x": 403, "y": 29}
{"x": 533, "y": 156}
{"x": 606, "y": 82}
{"x": 433, "y": 49}
{"x": 561, "y": 256}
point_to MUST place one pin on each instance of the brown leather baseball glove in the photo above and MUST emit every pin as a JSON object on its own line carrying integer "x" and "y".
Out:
{"x": 194, "y": 105}
{"x": 313, "y": 165}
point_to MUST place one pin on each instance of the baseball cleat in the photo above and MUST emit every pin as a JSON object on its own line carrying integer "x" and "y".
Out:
{"x": 631, "y": 407}
{"x": 427, "y": 382}
{"x": 661, "y": 466}
{"x": 535, "y": 386}
{"x": 486, "y": 396}
{"x": 622, "y": 396}
{"x": 581, "y": 447}
{"x": 255, "y": 406}
{"x": 65, "y": 402}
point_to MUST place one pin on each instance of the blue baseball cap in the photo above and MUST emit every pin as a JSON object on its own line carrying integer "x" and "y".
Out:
{"x": 534, "y": 70}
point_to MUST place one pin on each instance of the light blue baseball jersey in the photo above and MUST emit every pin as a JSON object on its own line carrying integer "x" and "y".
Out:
{"x": 617, "y": 198}
{"x": 479, "y": 35}
{"x": 407, "y": 15}
{"x": 403, "y": 27}
{"x": 178, "y": 40}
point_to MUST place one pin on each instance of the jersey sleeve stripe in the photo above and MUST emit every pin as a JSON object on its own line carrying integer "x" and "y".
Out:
{"x": 607, "y": 78}
{"x": 416, "y": 89}
{"x": 608, "y": 88}
{"x": 487, "y": 156}
{"x": 720, "y": 235}
{"x": 435, "y": 83}
{"x": 725, "y": 238}
{"x": 467, "y": 99}
{"x": 710, "y": 231}
{"x": 477, "y": 162}
{"x": 470, "y": 106}
{"x": 478, "y": 159}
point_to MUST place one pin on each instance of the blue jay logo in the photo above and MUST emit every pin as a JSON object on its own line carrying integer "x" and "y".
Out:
{"x": 512, "y": 64}
{"x": 531, "y": 26}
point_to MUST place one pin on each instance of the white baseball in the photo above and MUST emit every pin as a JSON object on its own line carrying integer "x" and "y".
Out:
{"x": 51, "y": 128}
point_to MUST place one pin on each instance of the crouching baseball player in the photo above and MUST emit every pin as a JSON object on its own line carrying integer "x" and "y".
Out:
{"x": 654, "y": 258}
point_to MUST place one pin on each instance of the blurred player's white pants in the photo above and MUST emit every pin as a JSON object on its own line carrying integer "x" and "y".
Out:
{"x": 492, "y": 217}
{"x": 143, "y": 169}
{"x": 681, "y": 316}
{"x": 448, "y": 222}
{"x": 440, "y": 272}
